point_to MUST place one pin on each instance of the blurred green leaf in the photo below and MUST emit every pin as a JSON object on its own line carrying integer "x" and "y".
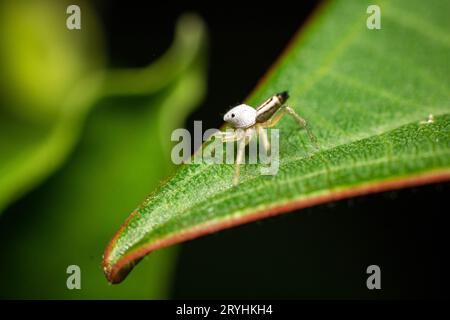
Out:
{"x": 368, "y": 95}
{"x": 42, "y": 62}
{"x": 51, "y": 79}
{"x": 123, "y": 152}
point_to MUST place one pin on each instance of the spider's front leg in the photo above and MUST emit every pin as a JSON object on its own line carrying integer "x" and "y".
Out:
{"x": 239, "y": 157}
{"x": 246, "y": 138}
{"x": 228, "y": 136}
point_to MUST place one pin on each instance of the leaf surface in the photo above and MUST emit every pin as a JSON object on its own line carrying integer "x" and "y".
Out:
{"x": 368, "y": 96}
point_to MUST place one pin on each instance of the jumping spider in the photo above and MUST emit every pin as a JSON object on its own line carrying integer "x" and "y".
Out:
{"x": 249, "y": 121}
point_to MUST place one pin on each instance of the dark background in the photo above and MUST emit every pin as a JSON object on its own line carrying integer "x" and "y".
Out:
{"x": 321, "y": 252}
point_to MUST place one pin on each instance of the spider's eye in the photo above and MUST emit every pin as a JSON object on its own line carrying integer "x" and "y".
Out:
{"x": 232, "y": 115}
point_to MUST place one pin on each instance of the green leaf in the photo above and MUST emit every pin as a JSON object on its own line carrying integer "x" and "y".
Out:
{"x": 45, "y": 101}
{"x": 50, "y": 79}
{"x": 366, "y": 93}
{"x": 119, "y": 157}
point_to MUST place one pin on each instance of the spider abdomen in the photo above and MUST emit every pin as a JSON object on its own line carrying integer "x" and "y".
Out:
{"x": 265, "y": 111}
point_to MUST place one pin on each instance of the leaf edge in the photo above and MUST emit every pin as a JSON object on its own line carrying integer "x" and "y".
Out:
{"x": 116, "y": 273}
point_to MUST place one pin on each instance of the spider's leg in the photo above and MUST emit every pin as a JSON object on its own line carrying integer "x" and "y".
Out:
{"x": 239, "y": 157}
{"x": 302, "y": 122}
{"x": 227, "y": 136}
{"x": 248, "y": 135}
{"x": 264, "y": 139}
